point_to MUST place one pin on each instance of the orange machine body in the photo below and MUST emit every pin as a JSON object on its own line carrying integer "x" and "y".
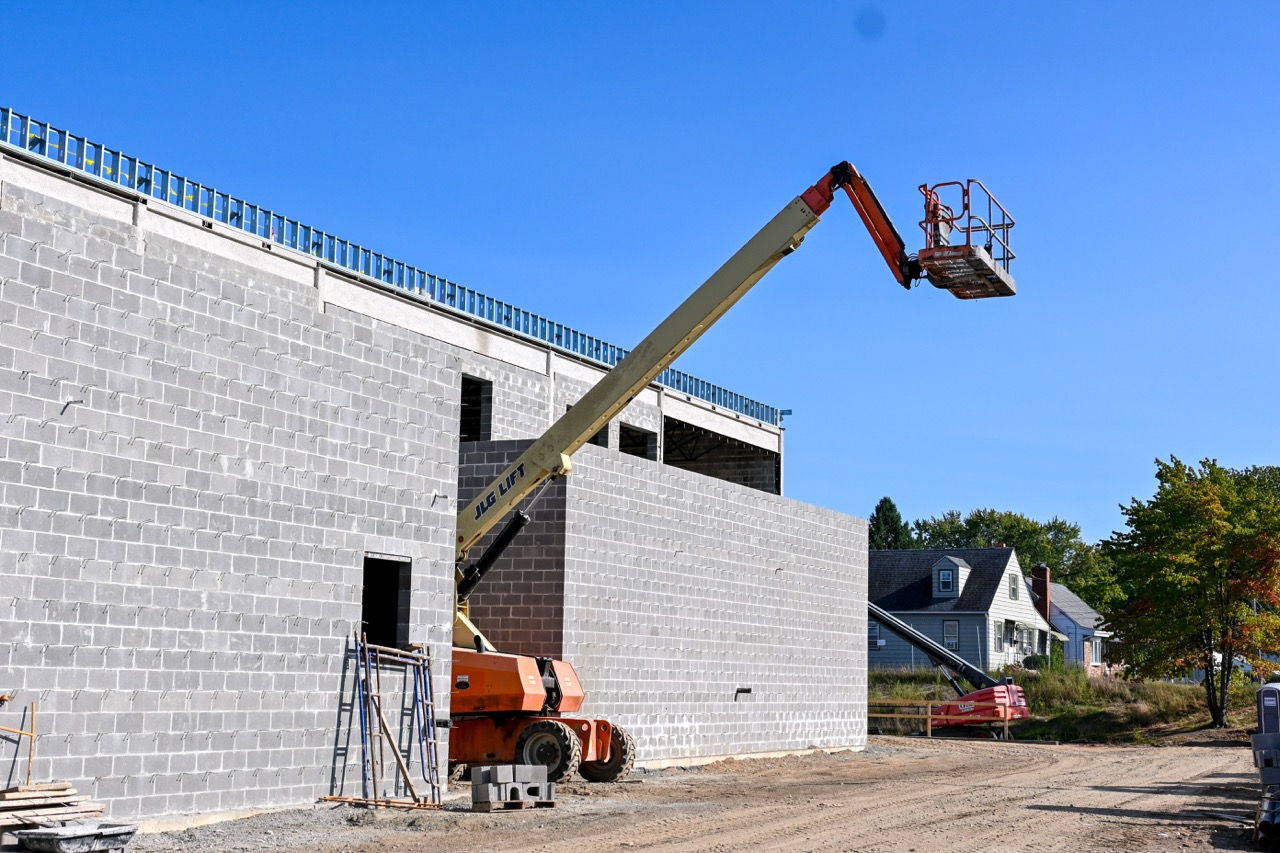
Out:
{"x": 496, "y": 696}
{"x": 1002, "y": 702}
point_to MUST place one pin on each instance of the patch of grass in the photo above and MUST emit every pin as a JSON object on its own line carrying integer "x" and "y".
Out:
{"x": 1069, "y": 704}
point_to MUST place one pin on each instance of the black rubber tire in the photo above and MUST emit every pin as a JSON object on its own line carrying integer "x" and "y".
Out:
{"x": 551, "y": 744}
{"x": 622, "y": 757}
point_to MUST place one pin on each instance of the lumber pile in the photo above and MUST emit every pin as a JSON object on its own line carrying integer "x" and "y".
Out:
{"x": 40, "y": 805}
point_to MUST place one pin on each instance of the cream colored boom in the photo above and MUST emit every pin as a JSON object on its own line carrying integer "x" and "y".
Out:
{"x": 549, "y": 455}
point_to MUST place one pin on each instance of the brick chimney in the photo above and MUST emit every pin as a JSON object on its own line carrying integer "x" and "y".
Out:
{"x": 1040, "y": 586}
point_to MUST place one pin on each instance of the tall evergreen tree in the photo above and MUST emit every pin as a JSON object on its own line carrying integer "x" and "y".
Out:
{"x": 888, "y": 532}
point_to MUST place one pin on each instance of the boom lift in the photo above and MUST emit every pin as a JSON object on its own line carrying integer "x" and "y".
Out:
{"x": 510, "y": 708}
{"x": 990, "y": 699}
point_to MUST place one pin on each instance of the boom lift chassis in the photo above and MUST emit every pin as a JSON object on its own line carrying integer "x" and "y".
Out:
{"x": 990, "y": 697}
{"x": 508, "y": 708}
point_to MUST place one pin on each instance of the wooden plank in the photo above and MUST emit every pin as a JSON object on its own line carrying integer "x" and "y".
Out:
{"x": 50, "y": 799}
{"x": 513, "y": 805}
{"x": 42, "y": 786}
{"x": 391, "y": 804}
{"x": 30, "y": 816}
{"x": 18, "y": 796}
{"x": 72, "y": 800}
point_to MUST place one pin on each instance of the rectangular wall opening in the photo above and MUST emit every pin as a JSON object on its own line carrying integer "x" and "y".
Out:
{"x": 475, "y": 421}
{"x": 637, "y": 442}
{"x": 694, "y": 448}
{"x": 384, "y": 603}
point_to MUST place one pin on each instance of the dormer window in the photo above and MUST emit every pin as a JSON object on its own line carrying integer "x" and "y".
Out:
{"x": 1013, "y": 586}
{"x": 949, "y": 576}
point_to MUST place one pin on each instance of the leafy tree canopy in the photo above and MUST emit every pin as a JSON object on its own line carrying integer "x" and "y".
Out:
{"x": 1203, "y": 559}
{"x": 1056, "y": 543}
{"x": 888, "y": 532}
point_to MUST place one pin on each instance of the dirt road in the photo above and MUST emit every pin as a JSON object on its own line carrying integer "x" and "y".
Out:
{"x": 899, "y": 795}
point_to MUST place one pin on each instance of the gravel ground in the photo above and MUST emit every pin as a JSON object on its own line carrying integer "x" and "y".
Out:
{"x": 900, "y": 794}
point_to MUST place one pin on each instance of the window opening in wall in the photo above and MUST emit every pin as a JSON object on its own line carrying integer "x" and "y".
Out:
{"x": 873, "y": 636}
{"x": 384, "y": 603}
{"x": 600, "y": 439}
{"x": 951, "y": 633}
{"x": 946, "y": 580}
{"x": 637, "y": 442}
{"x": 997, "y": 630}
{"x": 1014, "y": 583}
{"x": 694, "y": 448}
{"x": 475, "y": 422}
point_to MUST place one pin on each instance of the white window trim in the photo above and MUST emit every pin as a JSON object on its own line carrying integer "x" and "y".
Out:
{"x": 946, "y": 580}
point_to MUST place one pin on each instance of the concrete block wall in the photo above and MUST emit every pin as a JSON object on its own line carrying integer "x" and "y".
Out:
{"x": 638, "y": 413}
{"x": 194, "y": 458}
{"x": 520, "y": 604}
{"x": 200, "y": 438}
{"x": 679, "y": 590}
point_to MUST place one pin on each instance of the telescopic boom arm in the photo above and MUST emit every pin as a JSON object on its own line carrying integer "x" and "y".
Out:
{"x": 549, "y": 455}
{"x": 940, "y": 656}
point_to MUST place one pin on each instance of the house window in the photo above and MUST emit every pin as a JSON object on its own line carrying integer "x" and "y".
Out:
{"x": 997, "y": 631}
{"x": 1095, "y": 651}
{"x": 951, "y": 633}
{"x": 1026, "y": 644}
{"x": 1014, "y": 583}
{"x": 946, "y": 580}
{"x": 873, "y": 636}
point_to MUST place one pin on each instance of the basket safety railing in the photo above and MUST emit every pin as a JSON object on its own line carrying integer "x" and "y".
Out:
{"x": 129, "y": 173}
{"x": 980, "y": 218}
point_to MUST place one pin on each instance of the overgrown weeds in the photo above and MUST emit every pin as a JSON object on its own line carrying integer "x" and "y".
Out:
{"x": 1069, "y": 704}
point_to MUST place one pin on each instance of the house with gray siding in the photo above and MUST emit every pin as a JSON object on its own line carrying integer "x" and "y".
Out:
{"x": 974, "y": 601}
{"x": 1086, "y": 638}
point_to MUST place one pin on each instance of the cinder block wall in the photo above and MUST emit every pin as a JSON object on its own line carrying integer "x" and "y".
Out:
{"x": 193, "y": 460}
{"x": 679, "y": 590}
{"x": 520, "y": 605}
{"x": 197, "y": 450}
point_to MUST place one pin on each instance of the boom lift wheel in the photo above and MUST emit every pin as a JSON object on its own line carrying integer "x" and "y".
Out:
{"x": 622, "y": 757}
{"x": 551, "y": 744}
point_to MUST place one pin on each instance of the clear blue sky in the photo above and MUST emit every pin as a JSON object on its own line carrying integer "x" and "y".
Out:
{"x": 594, "y": 162}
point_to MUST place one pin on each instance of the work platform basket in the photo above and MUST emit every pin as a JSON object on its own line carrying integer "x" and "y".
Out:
{"x": 967, "y": 246}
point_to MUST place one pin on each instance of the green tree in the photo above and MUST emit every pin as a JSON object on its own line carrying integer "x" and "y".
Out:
{"x": 1056, "y": 543}
{"x": 888, "y": 532}
{"x": 1204, "y": 558}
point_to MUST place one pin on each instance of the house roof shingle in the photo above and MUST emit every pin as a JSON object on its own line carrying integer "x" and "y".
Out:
{"x": 903, "y": 580}
{"x": 1072, "y": 605}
